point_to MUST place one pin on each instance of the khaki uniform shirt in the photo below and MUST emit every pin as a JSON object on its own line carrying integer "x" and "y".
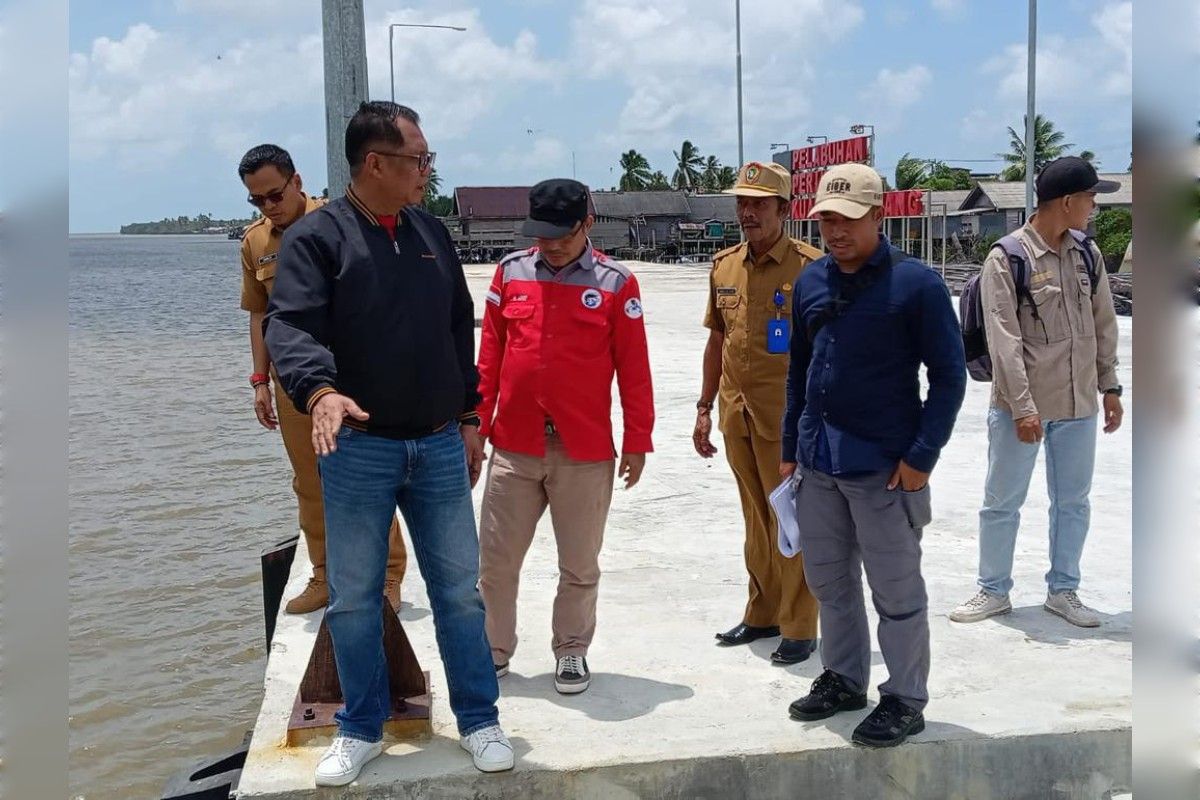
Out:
{"x": 741, "y": 301}
{"x": 260, "y": 252}
{"x": 1058, "y": 365}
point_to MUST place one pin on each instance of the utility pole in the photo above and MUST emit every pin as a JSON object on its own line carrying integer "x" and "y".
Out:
{"x": 737, "y": 13}
{"x": 345, "y": 45}
{"x": 1030, "y": 117}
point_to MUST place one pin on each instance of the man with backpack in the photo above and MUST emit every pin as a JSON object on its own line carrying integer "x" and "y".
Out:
{"x": 860, "y": 443}
{"x": 1043, "y": 305}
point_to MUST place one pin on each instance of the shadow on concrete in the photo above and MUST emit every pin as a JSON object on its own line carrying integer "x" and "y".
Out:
{"x": 611, "y": 697}
{"x": 1039, "y": 625}
{"x": 809, "y": 668}
{"x": 843, "y": 725}
{"x": 410, "y": 613}
{"x": 438, "y": 756}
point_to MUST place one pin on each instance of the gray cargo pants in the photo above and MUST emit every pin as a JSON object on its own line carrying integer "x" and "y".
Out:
{"x": 847, "y": 523}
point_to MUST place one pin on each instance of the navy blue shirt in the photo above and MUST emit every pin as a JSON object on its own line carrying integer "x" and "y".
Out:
{"x": 853, "y": 392}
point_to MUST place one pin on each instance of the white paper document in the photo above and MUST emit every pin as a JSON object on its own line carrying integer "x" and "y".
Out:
{"x": 783, "y": 501}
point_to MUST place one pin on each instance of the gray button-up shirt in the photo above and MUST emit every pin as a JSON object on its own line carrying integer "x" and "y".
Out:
{"x": 1055, "y": 365}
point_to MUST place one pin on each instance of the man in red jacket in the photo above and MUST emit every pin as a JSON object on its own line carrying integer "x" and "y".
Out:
{"x": 562, "y": 318}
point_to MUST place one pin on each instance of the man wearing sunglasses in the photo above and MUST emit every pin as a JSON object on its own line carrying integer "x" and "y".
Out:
{"x": 372, "y": 329}
{"x": 276, "y": 189}
{"x": 562, "y": 320}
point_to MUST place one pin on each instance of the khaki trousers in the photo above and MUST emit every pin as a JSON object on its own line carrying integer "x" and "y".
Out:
{"x": 306, "y": 483}
{"x": 779, "y": 593}
{"x": 519, "y": 487}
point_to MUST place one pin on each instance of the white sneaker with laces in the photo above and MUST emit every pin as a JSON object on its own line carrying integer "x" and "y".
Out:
{"x": 344, "y": 760}
{"x": 489, "y": 749}
{"x": 1068, "y": 606}
{"x": 571, "y": 675}
{"x": 980, "y": 607}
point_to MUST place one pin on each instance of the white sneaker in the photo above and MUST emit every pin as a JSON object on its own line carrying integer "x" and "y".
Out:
{"x": 344, "y": 760}
{"x": 981, "y": 606}
{"x": 1068, "y": 606}
{"x": 489, "y": 749}
{"x": 571, "y": 675}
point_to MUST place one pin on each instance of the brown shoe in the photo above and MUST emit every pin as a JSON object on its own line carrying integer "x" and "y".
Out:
{"x": 314, "y": 596}
{"x": 391, "y": 590}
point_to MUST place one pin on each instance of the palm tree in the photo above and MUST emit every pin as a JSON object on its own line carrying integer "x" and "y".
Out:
{"x": 658, "y": 181}
{"x": 1090, "y": 157}
{"x": 432, "y": 186}
{"x": 726, "y": 178}
{"x": 688, "y": 163}
{"x": 635, "y": 172}
{"x": 708, "y": 177}
{"x": 910, "y": 172}
{"x": 1048, "y": 145}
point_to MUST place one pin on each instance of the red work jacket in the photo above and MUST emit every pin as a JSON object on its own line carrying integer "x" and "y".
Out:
{"x": 551, "y": 344}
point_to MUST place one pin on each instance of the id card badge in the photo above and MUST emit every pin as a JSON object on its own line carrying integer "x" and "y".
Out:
{"x": 778, "y": 336}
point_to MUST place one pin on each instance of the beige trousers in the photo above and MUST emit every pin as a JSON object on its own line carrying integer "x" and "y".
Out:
{"x": 519, "y": 487}
{"x": 779, "y": 593}
{"x": 306, "y": 483}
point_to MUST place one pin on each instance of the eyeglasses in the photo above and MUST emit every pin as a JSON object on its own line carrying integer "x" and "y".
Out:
{"x": 424, "y": 160}
{"x": 275, "y": 198}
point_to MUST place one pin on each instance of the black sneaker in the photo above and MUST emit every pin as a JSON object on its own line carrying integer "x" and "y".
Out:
{"x": 829, "y": 695}
{"x": 889, "y": 724}
{"x": 571, "y": 675}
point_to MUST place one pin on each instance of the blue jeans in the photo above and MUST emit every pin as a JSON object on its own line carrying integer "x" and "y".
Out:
{"x": 1070, "y": 459}
{"x": 362, "y": 483}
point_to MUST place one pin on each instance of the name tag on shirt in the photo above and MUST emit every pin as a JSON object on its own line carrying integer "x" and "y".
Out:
{"x": 778, "y": 335}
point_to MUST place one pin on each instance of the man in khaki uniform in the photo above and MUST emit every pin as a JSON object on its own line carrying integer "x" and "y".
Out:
{"x": 749, "y": 311}
{"x": 275, "y": 188}
{"x": 1050, "y": 365}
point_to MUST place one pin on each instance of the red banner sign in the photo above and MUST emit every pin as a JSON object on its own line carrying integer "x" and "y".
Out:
{"x": 810, "y": 163}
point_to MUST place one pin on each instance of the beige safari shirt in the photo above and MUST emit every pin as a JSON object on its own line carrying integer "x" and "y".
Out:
{"x": 260, "y": 252}
{"x": 741, "y": 301}
{"x": 1058, "y": 365}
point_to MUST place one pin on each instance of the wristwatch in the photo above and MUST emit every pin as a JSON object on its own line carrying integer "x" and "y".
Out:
{"x": 704, "y": 405}
{"x": 1117, "y": 390}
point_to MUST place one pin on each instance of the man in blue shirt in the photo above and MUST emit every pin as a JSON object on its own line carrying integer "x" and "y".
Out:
{"x": 861, "y": 443}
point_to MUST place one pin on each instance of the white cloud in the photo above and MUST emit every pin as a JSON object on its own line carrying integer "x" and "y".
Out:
{"x": 1096, "y": 62}
{"x": 897, "y": 89}
{"x": 677, "y": 60}
{"x": 948, "y": 7}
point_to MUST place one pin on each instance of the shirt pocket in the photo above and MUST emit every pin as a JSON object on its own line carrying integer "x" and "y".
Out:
{"x": 266, "y": 272}
{"x": 730, "y": 306}
{"x": 1087, "y": 322}
{"x": 1044, "y": 320}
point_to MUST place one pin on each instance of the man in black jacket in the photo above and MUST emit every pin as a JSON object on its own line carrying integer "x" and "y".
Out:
{"x": 371, "y": 328}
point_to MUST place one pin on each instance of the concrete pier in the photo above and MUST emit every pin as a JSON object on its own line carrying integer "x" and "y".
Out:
{"x": 1023, "y": 706}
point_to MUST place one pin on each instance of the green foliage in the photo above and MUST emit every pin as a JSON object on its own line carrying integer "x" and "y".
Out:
{"x": 658, "y": 181}
{"x": 635, "y": 172}
{"x": 923, "y": 173}
{"x": 1048, "y": 144}
{"x": 689, "y": 165}
{"x": 186, "y": 224}
{"x": 1114, "y": 229}
{"x": 984, "y": 246}
{"x": 909, "y": 172}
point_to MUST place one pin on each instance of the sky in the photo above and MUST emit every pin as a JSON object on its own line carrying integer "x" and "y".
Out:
{"x": 166, "y": 95}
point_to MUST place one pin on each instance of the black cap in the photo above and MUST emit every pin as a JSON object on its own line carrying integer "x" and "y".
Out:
{"x": 556, "y": 206}
{"x": 1068, "y": 175}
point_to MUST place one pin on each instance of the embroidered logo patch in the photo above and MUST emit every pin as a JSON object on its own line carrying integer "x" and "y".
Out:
{"x": 591, "y": 298}
{"x": 633, "y": 308}
{"x": 267, "y": 259}
{"x": 751, "y": 173}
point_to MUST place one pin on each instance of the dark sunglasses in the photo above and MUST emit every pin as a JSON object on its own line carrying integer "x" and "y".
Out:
{"x": 424, "y": 160}
{"x": 275, "y": 198}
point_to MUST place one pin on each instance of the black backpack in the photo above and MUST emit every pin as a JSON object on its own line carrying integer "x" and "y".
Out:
{"x": 970, "y": 305}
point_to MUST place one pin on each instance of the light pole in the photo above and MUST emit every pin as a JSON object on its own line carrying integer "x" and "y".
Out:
{"x": 391, "y": 38}
{"x": 737, "y": 14}
{"x": 1030, "y": 118}
{"x": 859, "y": 130}
{"x": 344, "y": 49}
{"x": 813, "y": 139}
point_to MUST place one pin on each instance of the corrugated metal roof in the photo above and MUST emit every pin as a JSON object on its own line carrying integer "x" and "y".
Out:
{"x": 624, "y": 205}
{"x": 721, "y": 207}
{"x": 492, "y": 202}
{"x": 1005, "y": 195}
{"x": 952, "y": 198}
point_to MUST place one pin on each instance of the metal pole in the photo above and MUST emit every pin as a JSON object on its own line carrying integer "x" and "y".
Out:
{"x": 737, "y": 12}
{"x": 345, "y": 47}
{"x": 1030, "y": 117}
{"x": 391, "y": 60}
